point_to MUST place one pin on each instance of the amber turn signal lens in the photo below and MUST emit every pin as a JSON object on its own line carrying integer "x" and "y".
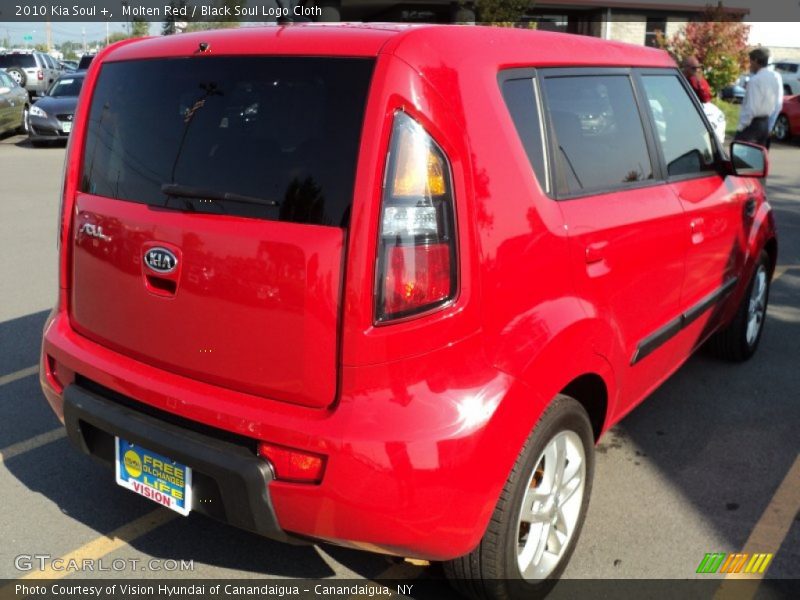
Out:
{"x": 419, "y": 171}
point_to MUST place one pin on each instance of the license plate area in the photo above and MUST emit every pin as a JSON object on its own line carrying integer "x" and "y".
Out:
{"x": 66, "y": 126}
{"x": 154, "y": 476}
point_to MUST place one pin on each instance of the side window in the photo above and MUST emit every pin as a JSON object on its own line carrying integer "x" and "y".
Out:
{"x": 684, "y": 139}
{"x": 520, "y": 98}
{"x": 6, "y": 81}
{"x": 600, "y": 141}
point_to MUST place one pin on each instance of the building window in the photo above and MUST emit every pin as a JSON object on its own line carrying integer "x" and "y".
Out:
{"x": 654, "y": 24}
{"x": 558, "y": 23}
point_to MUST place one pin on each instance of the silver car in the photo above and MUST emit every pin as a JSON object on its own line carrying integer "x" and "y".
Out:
{"x": 790, "y": 73}
{"x": 14, "y": 105}
{"x": 33, "y": 71}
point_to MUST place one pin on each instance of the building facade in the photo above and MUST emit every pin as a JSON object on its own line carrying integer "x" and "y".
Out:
{"x": 634, "y": 22}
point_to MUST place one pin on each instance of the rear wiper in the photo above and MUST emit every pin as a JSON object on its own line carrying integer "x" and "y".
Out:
{"x": 184, "y": 191}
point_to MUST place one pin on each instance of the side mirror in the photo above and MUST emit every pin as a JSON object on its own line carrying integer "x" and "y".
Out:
{"x": 749, "y": 160}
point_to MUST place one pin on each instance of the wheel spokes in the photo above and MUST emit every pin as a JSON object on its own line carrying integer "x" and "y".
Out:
{"x": 551, "y": 506}
{"x": 533, "y": 506}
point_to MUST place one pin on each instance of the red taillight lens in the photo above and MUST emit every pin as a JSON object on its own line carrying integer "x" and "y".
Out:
{"x": 293, "y": 465}
{"x": 39, "y": 75}
{"x": 416, "y": 268}
{"x": 417, "y": 276}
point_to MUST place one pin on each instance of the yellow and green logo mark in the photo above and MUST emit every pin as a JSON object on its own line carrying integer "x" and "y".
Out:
{"x": 722, "y": 562}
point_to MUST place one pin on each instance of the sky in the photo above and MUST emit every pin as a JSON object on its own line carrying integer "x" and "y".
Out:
{"x": 764, "y": 33}
{"x": 62, "y": 32}
{"x": 775, "y": 34}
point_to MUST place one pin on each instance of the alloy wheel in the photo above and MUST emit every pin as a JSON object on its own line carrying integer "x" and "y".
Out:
{"x": 757, "y": 306}
{"x": 781, "y": 129}
{"x": 551, "y": 506}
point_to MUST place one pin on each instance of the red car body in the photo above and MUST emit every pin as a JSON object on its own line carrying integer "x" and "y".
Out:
{"x": 790, "y": 117}
{"x": 419, "y": 420}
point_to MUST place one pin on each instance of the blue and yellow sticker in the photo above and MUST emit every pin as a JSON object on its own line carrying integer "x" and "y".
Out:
{"x": 154, "y": 476}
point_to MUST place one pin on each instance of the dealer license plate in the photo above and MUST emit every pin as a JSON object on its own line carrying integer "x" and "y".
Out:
{"x": 154, "y": 476}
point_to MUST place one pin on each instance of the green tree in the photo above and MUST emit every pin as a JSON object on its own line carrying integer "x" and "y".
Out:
{"x": 140, "y": 27}
{"x": 206, "y": 25}
{"x": 117, "y": 36}
{"x": 717, "y": 41}
{"x": 231, "y": 22}
{"x": 168, "y": 27}
{"x": 502, "y": 12}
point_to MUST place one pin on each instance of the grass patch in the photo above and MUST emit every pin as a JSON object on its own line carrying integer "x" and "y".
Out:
{"x": 731, "y": 112}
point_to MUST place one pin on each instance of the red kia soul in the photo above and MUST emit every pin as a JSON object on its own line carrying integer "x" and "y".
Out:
{"x": 385, "y": 286}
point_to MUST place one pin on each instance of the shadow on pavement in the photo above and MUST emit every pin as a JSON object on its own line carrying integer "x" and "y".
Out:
{"x": 724, "y": 434}
{"x": 20, "y": 341}
{"x": 85, "y": 490}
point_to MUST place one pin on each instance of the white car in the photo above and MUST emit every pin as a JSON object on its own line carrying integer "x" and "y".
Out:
{"x": 790, "y": 72}
{"x": 717, "y": 119}
{"x": 714, "y": 115}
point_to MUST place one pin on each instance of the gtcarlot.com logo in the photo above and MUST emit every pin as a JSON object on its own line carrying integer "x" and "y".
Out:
{"x": 45, "y": 562}
{"x": 739, "y": 562}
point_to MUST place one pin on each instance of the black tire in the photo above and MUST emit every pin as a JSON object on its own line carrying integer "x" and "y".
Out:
{"x": 781, "y": 130}
{"x": 733, "y": 343}
{"x": 491, "y": 571}
{"x": 18, "y": 75}
{"x": 23, "y": 128}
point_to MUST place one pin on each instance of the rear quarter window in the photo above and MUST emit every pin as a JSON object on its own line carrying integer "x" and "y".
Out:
{"x": 17, "y": 60}
{"x": 520, "y": 98}
{"x": 281, "y": 130}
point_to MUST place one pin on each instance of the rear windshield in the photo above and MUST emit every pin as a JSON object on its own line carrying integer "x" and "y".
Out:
{"x": 265, "y": 137}
{"x": 17, "y": 60}
{"x": 66, "y": 87}
{"x": 86, "y": 60}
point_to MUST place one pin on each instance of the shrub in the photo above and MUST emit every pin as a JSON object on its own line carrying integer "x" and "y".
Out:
{"x": 718, "y": 42}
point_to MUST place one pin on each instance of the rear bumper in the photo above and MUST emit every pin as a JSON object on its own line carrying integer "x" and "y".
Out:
{"x": 417, "y": 452}
{"x": 230, "y": 483}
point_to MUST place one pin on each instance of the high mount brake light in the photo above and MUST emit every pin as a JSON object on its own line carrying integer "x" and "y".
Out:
{"x": 416, "y": 252}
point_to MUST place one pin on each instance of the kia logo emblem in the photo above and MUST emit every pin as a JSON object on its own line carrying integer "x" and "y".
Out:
{"x": 160, "y": 260}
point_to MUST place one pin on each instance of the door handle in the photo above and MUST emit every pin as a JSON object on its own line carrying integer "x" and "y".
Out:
{"x": 594, "y": 252}
{"x": 696, "y": 225}
{"x": 750, "y": 207}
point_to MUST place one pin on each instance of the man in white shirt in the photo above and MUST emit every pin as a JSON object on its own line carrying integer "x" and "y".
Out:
{"x": 773, "y": 117}
{"x": 760, "y": 100}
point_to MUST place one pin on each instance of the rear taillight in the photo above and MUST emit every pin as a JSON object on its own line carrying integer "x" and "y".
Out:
{"x": 39, "y": 75}
{"x": 417, "y": 248}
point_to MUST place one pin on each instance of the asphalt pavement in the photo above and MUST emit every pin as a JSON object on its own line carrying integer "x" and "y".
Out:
{"x": 709, "y": 463}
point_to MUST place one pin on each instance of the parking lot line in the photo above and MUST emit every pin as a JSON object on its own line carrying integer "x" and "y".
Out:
{"x": 21, "y": 374}
{"x": 780, "y": 271}
{"x": 403, "y": 571}
{"x": 769, "y": 532}
{"x": 105, "y": 544}
{"x": 31, "y": 443}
